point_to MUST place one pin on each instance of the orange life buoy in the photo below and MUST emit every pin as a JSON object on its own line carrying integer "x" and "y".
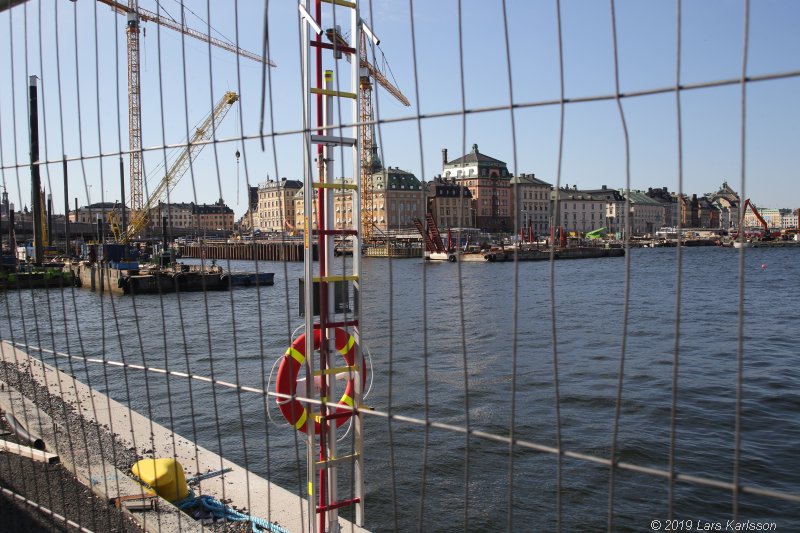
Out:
{"x": 295, "y": 357}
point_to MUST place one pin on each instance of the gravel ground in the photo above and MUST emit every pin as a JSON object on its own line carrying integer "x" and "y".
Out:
{"x": 55, "y": 488}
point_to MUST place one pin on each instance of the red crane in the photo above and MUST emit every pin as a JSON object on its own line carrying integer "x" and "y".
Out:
{"x": 767, "y": 233}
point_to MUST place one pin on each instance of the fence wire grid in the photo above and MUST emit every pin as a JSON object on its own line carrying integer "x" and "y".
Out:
{"x": 522, "y": 396}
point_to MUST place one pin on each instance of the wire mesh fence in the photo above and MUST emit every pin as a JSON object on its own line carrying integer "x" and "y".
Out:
{"x": 654, "y": 391}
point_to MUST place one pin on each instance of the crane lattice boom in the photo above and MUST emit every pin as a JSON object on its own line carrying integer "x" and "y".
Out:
{"x": 136, "y": 14}
{"x": 149, "y": 16}
{"x": 203, "y": 132}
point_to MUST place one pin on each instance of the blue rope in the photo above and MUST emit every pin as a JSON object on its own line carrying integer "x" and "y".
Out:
{"x": 220, "y": 510}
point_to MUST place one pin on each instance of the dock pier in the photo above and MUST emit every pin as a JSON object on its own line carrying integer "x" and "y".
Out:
{"x": 145, "y": 438}
{"x": 246, "y": 251}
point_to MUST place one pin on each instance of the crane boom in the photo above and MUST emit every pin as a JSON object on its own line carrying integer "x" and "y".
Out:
{"x": 148, "y": 16}
{"x": 135, "y": 14}
{"x": 756, "y": 213}
{"x": 378, "y": 76}
{"x": 203, "y": 132}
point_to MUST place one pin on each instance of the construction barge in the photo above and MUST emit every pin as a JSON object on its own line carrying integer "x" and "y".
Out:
{"x": 130, "y": 278}
{"x": 511, "y": 254}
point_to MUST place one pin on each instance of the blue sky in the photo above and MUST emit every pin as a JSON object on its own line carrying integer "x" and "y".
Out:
{"x": 181, "y": 81}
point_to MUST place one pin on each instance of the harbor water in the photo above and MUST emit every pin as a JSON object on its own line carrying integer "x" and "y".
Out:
{"x": 472, "y": 345}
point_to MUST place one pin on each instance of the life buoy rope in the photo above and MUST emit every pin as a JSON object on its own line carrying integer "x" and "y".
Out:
{"x": 293, "y": 360}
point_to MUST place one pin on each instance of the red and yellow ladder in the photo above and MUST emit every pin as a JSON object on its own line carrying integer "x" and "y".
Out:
{"x": 325, "y": 144}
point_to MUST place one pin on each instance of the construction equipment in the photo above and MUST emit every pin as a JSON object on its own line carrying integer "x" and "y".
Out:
{"x": 596, "y": 233}
{"x": 369, "y": 159}
{"x": 114, "y": 222}
{"x": 431, "y": 236}
{"x": 747, "y": 203}
{"x": 203, "y": 132}
{"x": 136, "y": 15}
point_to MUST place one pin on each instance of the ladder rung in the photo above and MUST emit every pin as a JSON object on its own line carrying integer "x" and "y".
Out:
{"x": 333, "y": 139}
{"x": 334, "y": 185}
{"x": 343, "y": 3}
{"x": 329, "y": 46}
{"x": 328, "y": 92}
{"x": 331, "y": 279}
{"x": 337, "y": 505}
{"x": 331, "y": 325}
{"x": 338, "y": 370}
{"x": 322, "y": 465}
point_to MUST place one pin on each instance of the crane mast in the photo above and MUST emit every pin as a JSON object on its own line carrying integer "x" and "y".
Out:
{"x": 203, "y": 132}
{"x": 136, "y": 15}
{"x": 134, "y": 110}
{"x": 367, "y": 168}
{"x": 368, "y": 72}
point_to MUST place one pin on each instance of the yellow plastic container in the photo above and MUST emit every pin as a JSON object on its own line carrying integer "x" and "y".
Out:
{"x": 165, "y": 476}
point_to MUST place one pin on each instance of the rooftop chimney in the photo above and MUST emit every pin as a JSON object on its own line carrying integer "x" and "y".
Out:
{"x": 444, "y": 156}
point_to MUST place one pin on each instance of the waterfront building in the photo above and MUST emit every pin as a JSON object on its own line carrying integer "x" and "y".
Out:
{"x": 212, "y": 217}
{"x": 398, "y": 199}
{"x": 688, "y": 211}
{"x": 490, "y": 183}
{"x": 647, "y": 215}
{"x": 770, "y": 215}
{"x": 90, "y": 213}
{"x": 728, "y": 203}
{"x": 276, "y": 209}
{"x": 577, "y": 211}
{"x": 707, "y": 213}
{"x": 672, "y": 207}
{"x": 190, "y": 217}
{"x": 248, "y": 221}
{"x": 789, "y": 218}
{"x": 299, "y": 213}
{"x": 450, "y": 203}
{"x": 5, "y": 206}
{"x": 530, "y": 201}
{"x": 615, "y": 208}
{"x": 179, "y": 215}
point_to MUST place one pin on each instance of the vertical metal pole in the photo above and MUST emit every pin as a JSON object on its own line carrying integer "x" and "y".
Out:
{"x": 36, "y": 182}
{"x": 122, "y": 201}
{"x": 67, "y": 249}
{"x": 358, "y": 242}
{"x": 12, "y": 242}
{"x": 324, "y": 496}
{"x": 164, "y": 233}
{"x": 308, "y": 275}
{"x": 49, "y": 230}
{"x": 325, "y": 249}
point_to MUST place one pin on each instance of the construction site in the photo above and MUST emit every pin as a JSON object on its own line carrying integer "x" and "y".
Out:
{"x": 203, "y": 344}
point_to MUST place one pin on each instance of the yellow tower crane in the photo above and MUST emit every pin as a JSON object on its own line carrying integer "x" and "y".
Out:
{"x": 203, "y": 132}
{"x": 366, "y": 118}
{"x": 136, "y": 15}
